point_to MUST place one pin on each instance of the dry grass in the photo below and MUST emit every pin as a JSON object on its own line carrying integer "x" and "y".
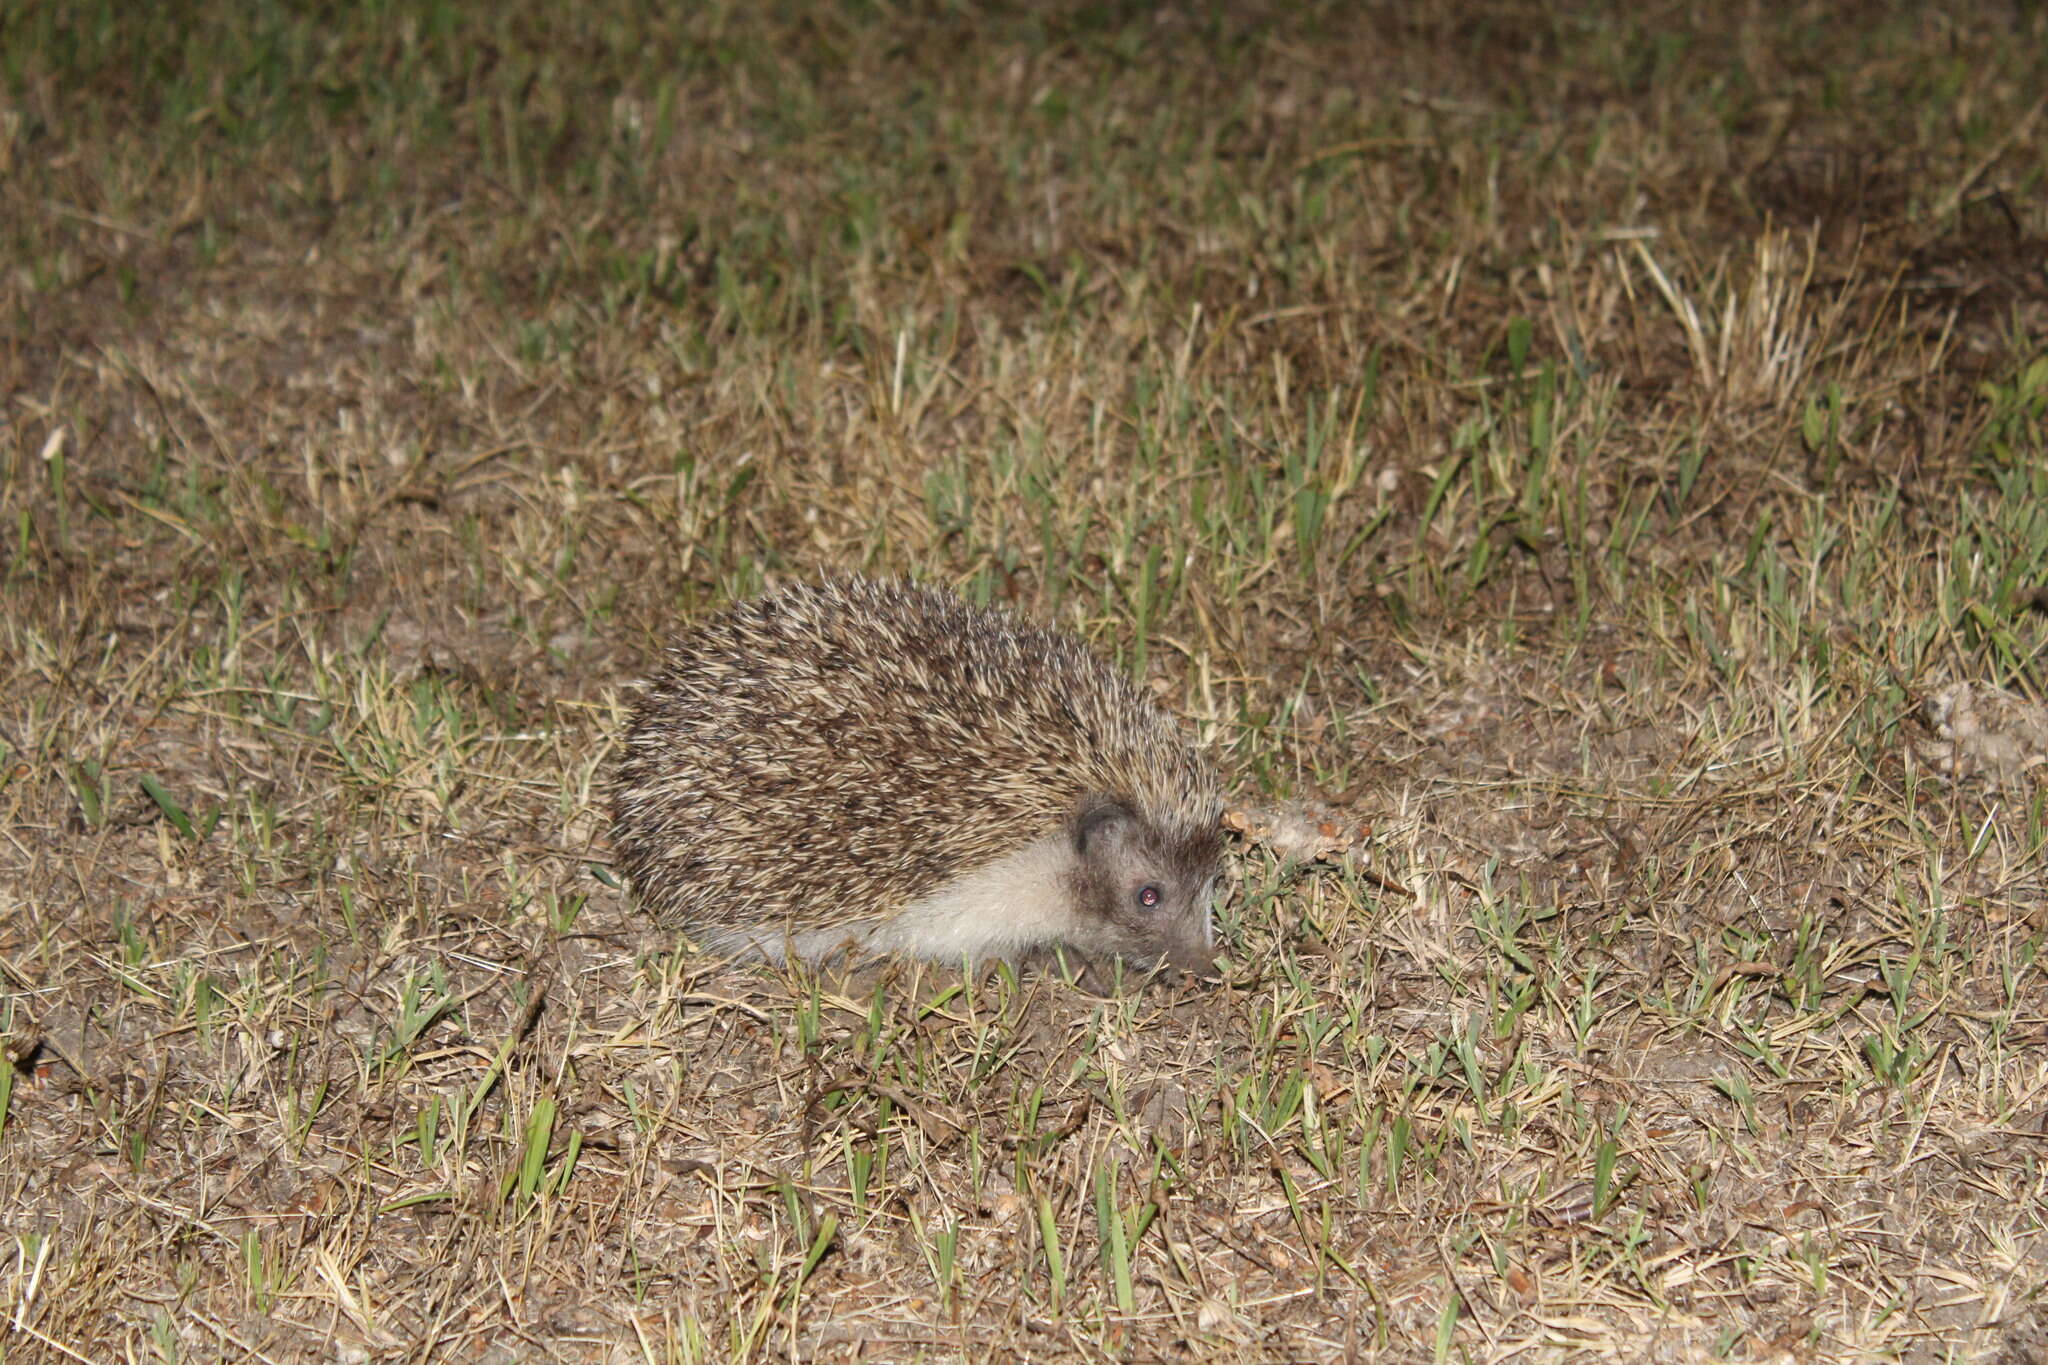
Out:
{"x": 1573, "y": 445}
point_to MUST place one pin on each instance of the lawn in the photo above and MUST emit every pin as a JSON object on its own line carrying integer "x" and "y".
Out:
{"x": 1586, "y": 465}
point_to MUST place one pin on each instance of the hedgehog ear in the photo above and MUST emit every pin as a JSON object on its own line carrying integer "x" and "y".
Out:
{"x": 1103, "y": 819}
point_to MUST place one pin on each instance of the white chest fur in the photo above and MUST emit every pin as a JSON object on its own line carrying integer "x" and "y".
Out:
{"x": 1014, "y": 903}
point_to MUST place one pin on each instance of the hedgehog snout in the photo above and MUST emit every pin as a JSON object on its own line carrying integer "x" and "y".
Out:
{"x": 1194, "y": 953}
{"x": 1191, "y": 938}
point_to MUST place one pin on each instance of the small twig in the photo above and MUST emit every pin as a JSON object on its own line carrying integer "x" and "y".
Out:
{"x": 936, "y": 1129}
{"x": 1953, "y": 200}
{"x": 539, "y": 981}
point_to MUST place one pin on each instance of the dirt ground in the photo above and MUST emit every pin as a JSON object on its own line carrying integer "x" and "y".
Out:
{"x": 1585, "y": 467}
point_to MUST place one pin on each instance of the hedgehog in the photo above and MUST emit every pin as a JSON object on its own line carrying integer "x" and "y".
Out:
{"x": 864, "y": 768}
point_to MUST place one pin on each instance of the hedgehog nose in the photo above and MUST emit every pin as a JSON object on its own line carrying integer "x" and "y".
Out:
{"x": 1192, "y": 956}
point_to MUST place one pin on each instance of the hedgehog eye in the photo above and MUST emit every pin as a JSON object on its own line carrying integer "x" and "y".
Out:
{"x": 1150, "y": 895}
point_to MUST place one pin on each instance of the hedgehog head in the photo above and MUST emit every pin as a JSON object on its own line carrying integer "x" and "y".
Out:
{"x": 1141, "y": 890}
